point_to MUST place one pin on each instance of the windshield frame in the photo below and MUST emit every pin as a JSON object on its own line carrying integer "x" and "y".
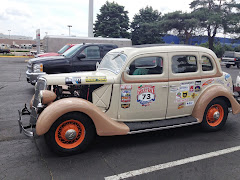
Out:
{"x": 72, "y": 51}
{"x": 114, "y": 57}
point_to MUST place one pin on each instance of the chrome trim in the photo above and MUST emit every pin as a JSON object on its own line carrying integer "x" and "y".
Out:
{"x": 24, "y": 129}
{"x": 161, "y": 128}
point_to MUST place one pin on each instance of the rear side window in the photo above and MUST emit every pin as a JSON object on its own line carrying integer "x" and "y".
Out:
{"x": 146, "y": 66}
{"x": 184, "y": 64}
{"x": 206, "y": 64}
{"x": 91, "y": 52}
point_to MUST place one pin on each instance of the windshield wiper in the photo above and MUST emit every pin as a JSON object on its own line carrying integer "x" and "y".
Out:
{"x": 119, "y": 54}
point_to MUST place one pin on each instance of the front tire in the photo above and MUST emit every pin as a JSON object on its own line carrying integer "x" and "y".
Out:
{"x": 215, "y": 115}
{"x": 238, "y": 65}
{"x": 228, "y": 65}
{"x": 70, "y": 134}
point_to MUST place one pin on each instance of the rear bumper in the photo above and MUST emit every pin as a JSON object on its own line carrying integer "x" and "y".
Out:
{"x": 27, "y": 130}
{"x": 33, "y": 77}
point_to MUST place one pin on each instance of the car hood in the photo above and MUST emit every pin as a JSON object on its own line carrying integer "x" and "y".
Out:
{"x": 48, "y": 54}
{"x": 42, "y": 59}
{"x": 89, "y": 77}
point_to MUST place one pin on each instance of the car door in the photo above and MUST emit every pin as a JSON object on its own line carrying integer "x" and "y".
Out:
{"x": 88, "y": 63}
{"x": 184, "y": 83}
{"x": 144, "y": 89}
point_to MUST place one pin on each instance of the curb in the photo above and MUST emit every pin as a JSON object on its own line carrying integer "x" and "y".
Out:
{"x": 18, "y": 56}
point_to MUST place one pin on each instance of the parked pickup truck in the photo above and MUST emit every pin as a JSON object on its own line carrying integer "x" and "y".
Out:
{"x": 61, "y": 51}
{"x": 81, "y": 57}
{"x": 231, "y": 58}
{"x": 134, "y": 90}
{"x": 4, "y": 51}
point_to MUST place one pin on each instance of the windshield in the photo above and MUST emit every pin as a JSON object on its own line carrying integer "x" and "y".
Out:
{"x": 63, "y": 49}
{"x": 113, "y": 62}
{"x": 70, "y": 52}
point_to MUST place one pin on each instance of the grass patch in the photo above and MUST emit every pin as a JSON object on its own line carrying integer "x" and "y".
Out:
{"x": 20, "y": 51}
{"x": 7, "y": 55}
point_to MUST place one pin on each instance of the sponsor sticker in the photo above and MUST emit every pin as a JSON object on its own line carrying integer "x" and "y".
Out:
{"x": 189, "y": 103}
{"x": 146, "y": 94}
{"x": 184, "y": 88}
{"x": 191, "y": 89}
{"x": 187, "y": 83}
{"x": 219, "y": 81}
{"x": 125, "y": 95}
{"x": 174, "y": 89}
{"x": 181, "y": 105}
{"x": 126, "y": 86}
{"x": 194, "y": 95}
{"x": 96, "y": 79}
{"x": 181, "y": 100}
{"x": 198, "y": 82}
{"x": 178, "y": 95}
{"x": 125, "y": 106}
{"x": 210, "y": 81}
{"x": 197, "y": 88}
{"x": 72, "y": 80}
{"x": 185, "y": 94}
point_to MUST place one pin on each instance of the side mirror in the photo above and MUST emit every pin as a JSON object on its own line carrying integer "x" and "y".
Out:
{"x": 81, "y": 56}
{"x": 127, "y": 70}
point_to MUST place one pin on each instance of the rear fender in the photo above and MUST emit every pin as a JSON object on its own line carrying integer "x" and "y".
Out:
{"x": 105, "y": 126}
{"x": 208, "y": 95}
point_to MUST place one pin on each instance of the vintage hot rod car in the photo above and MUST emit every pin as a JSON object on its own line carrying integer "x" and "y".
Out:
{"x": 134, "y": 90}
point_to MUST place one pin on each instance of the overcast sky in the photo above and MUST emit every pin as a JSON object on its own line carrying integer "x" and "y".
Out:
{"x": 23, "y": 17}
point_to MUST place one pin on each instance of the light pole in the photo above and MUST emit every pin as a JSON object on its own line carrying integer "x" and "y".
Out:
{"x": 69, "y": 28}
{"x": 9, "y": 33}
{"x": 90, "y": 19}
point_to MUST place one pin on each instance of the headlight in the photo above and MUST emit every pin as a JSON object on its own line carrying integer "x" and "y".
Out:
{"x": 38, "y": 67}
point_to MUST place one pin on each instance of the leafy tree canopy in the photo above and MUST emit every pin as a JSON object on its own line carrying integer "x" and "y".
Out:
{"x": 145, "y": 27}
{"x": 113, "y": 21}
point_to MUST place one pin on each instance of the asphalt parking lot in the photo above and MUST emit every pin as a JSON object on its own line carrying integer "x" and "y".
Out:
{"x": 23, "y": 158}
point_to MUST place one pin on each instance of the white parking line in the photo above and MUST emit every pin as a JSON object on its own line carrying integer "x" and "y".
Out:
{"x": 172, "y": 164}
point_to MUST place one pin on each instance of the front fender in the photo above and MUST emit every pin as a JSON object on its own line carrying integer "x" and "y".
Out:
{"x": 208, "y": 95}
{"x": 105, "y": 126}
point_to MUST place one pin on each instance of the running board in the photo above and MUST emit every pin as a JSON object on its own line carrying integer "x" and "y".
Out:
{"x": 146, "y": 126}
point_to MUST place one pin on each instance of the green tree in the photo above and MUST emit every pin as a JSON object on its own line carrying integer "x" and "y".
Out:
{"x": 214, "y": 16}
{"x": 145, "y": 27}
{"x": 184, "y": 23}
{"x": 113, "y": 21}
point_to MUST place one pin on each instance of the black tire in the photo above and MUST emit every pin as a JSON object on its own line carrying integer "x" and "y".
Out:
{"x": 58, "y": 143}
{"x": 238, "y": 65}
{"x": 228, "y": 65}
{"x": 209, "y": 123}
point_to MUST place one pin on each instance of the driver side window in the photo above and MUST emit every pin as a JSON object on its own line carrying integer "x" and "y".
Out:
{"x": 91, "y": 52}
{"x": 146, "y": 66}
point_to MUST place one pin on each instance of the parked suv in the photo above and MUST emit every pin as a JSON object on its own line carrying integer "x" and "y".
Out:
{"x": 134, "y": 90}
{"x": 4, "y": 51}
{"x": 231, "y": 58}
{"x": 81, "y": 57}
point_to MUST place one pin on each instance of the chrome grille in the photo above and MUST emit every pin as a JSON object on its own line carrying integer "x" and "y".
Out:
{"x": 40, "y": 85}
{"x": 29, "y": 67}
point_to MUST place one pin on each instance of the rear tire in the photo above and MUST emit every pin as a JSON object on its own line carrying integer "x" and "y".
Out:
{"x": 215, "y": 115}
{"x": 228, "y": 65}
{"x": 238, "y": 65}
{"x": 70, "y": 134}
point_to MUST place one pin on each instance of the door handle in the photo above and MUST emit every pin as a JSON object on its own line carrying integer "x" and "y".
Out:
{"x": 173, "y": 86}
{"x": 165, "y": 86}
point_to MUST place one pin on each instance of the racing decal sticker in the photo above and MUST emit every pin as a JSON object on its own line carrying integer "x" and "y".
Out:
{"x": 197, "y": 88}
{"x": 126, "y": 86}
{"x": 181, "y": 100}
{"x": 219, "y": 81}
{"x": 125, "y": 106}
{"x": 146, "y": 94}
{"x": 178, "y": 95}
{"x": 125, "y": 95}
{"x": 181, "y": 105}
{"x": 191, "y": 89}
{"x": 187, "y": 83}
{"x": 184, "y": 88}
{"x": 72, "y": 80}
{"x": 96, "y": 79}
{"x": 193, "y": 95}
{"x": 227, "y": 76}
{"x": 185, "y": 94}
{"x": 210, "y": 81}
{"x": 174, "y": 89}
{"x": 189, "y": 103}
{"x": 198, "y": 82}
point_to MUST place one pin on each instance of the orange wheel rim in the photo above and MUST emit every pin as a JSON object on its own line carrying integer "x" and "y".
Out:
{"x": 70, "y": 134}
{"x": 215, "y": 115}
